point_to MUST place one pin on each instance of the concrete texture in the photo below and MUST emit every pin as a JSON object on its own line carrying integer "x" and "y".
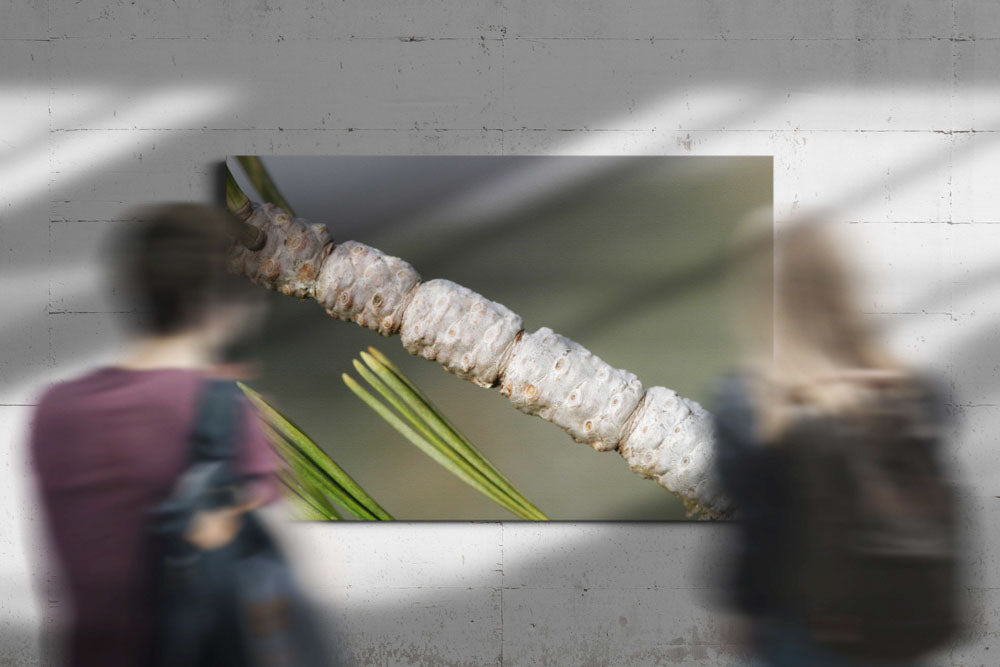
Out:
{"x": 884, "y": 112}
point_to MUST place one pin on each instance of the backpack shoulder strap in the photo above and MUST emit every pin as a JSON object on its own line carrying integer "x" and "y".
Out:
{"x": 216, "y": 427}
{"x": 210, "y": 477}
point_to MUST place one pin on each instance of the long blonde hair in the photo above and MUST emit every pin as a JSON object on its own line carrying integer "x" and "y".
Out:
{"x": 825, "y": 358}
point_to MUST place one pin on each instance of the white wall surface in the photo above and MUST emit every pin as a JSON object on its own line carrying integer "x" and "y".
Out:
{"x": 886, "y": 113}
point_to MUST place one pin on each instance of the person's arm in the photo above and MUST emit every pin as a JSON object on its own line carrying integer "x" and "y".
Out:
{"x": 257, "y": 464}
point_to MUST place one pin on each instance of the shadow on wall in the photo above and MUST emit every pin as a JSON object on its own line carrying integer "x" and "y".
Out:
{"x": 770, "y": 73}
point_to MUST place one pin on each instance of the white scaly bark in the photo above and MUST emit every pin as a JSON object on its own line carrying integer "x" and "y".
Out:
{"x": 661, "y": 435}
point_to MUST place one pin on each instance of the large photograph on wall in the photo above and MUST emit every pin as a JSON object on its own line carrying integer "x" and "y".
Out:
{"x": 492, "y": 337}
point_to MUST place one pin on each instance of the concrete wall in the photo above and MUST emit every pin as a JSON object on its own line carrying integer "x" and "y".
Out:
{"x": 886, "y": 112}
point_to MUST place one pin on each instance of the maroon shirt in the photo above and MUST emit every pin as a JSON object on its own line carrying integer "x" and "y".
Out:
{"x": 106, "y": 447}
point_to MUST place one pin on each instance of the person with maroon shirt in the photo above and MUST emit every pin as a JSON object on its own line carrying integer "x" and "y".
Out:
{"x": 109, "y": 445}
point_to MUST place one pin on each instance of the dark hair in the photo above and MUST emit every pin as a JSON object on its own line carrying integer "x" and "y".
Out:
{"x": 170, "y": 262}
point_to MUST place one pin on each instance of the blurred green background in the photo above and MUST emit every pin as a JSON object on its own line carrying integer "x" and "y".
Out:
{"x": 624, "y": 255}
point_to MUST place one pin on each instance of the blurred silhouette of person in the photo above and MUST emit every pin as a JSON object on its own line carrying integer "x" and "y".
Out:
{"x": 110, "y": 444}
{"x": 845, "y": 548}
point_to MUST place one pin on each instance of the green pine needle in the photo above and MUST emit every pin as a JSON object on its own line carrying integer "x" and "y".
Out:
{"x": 235, "y": 197}
{"x": 423, "y": 424}
{"x": 255, "y": 170}
{"x": 317, "y": 473}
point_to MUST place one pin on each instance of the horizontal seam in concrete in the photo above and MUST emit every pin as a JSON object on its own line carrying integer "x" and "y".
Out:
{"x": 91, "y": 312}
{"x": 919, "y": 222}
{"x": 964, "y": 223}
{"x": 278, "y": 38}
{"x": 519, "y": 129}
{"x": 972, "y": 405}
{"x": 522, "y": 588}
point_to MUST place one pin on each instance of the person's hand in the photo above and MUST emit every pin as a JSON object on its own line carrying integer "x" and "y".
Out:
{"x": 211, "y": 529}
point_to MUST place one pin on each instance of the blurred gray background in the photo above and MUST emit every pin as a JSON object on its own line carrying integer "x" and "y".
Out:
{"x": 624, "y": 255}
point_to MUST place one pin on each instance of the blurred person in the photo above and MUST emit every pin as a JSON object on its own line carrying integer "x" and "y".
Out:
{"x": 846, "y": 542}
{"x": 109, "y": 445}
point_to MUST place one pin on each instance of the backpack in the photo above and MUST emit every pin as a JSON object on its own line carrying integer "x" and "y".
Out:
{"x": 235, "y": 605}
{"x": 873, "y": 549}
